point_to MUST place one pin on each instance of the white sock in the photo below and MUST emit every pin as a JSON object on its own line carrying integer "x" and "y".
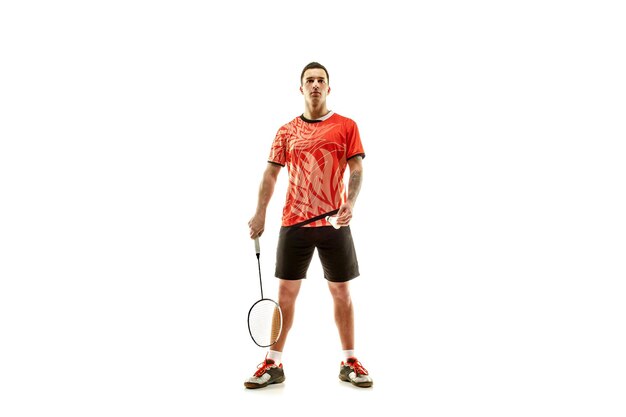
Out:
{"x": 275, "y": 355}
{"x": 348, "y": 354}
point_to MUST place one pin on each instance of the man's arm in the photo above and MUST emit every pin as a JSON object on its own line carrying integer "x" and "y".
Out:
{"x": 354, "y": 187}
{"x": 266, "y": 190}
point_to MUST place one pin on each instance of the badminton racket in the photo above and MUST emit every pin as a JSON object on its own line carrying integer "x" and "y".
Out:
{"x": 265, "y": 319}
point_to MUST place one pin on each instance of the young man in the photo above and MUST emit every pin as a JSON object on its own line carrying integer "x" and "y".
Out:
{"x": 316, "y": 147}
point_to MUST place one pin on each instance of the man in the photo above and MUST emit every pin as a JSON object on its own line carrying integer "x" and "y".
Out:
{"x": 316, "y": 147}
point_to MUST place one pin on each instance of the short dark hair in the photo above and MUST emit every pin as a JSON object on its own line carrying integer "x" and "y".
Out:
{"x": 312, "y": 65}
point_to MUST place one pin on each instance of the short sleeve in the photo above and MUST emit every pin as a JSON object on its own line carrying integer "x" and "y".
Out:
{"x": 278, "y": 153}
{"x": 353, "y": 141}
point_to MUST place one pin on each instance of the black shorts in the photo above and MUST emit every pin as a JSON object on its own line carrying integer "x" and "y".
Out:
{"x": 334, "y": 247}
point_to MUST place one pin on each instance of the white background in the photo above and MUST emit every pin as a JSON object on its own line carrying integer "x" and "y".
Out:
{"x": 490, "y": 228}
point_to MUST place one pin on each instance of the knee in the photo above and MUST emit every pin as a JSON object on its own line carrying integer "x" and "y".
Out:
{"x": 287, "y": 294}
{"x": 340, "y": 293}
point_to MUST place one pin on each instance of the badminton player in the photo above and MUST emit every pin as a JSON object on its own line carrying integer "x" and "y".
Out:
{"x": 316, "y": 147}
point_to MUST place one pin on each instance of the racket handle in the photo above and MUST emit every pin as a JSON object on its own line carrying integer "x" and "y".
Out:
{"x": 257, "y": 246}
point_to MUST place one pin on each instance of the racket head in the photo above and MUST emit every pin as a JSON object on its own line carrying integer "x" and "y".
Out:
{"x": 265, "y": 322}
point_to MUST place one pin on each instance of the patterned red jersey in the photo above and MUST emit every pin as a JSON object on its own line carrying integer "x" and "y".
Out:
{"x": 316, "y": 154}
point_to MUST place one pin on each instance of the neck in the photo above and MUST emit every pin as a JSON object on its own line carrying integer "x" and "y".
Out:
{"x": 313, "y": 113}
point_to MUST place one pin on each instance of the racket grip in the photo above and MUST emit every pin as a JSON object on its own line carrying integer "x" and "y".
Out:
{"x": 257, "y": 246}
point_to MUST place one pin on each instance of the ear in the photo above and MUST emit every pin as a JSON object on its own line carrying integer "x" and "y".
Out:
{"x": 328, "y": 92}
{"x": 301, "y": 90}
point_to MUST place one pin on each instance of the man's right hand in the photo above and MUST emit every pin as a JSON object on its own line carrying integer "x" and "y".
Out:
{"x": 257, "y": 226}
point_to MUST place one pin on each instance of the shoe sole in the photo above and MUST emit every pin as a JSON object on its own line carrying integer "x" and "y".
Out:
{"x": 365, "y": 384}
{"x": 252, "y": 385}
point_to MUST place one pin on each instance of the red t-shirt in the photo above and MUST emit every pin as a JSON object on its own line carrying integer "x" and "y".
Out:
{"x": 316, "y": 154}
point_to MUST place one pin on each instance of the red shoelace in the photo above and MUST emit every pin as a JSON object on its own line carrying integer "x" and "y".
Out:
{"x": 263, "y": 367}
{"x": 358, "y": 367}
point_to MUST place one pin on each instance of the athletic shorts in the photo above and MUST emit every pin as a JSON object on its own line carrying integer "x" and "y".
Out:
{"x": 334, "y": 247}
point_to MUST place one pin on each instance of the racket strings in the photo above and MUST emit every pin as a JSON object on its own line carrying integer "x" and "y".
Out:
{"x": 265, "y": 322}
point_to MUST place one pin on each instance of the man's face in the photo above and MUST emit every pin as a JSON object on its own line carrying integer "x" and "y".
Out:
{"x": 314, "y": 86}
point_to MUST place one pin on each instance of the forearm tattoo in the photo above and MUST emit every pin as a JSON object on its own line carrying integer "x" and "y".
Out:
{"x": 354, "y": 186}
